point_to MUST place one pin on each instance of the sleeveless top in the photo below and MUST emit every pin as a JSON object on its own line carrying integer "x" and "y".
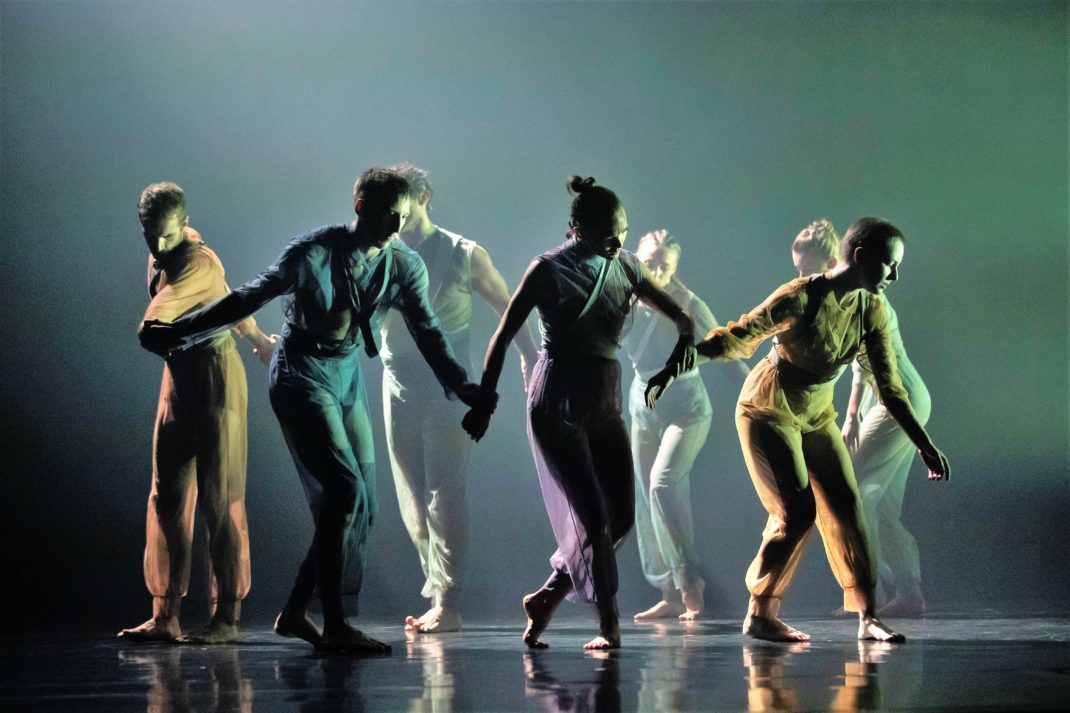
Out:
{"x": 574, "y": 270}
{"x": 448, "y": 257}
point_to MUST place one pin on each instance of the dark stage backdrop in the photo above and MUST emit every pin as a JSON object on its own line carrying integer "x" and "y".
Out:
{"x": 731, "y": 124}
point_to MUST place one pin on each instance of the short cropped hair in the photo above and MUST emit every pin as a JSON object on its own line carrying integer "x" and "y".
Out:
{"x": 416, "y": 178}
{"x": 380, "y": 185}
{"x": 818, "y": 240}
{"x": 160, "y": 200}
{"x": 867, "y": 231}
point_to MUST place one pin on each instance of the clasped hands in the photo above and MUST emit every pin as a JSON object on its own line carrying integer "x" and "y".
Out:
{"x": 681, "y": 360}
{"x": 482, "y": 404}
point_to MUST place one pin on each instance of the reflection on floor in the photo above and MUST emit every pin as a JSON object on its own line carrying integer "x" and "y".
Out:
{"x": 946, "y": 664}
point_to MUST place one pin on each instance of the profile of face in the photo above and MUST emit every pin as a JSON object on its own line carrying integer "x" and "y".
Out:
{"x": 879, "y": 264}
{"x": 606, "y": 235}
{"x": 381, "y": 221}
{"x": 661, "y": 262}
{"x": 807, "y": 264}
{"x": 165, "y": 234}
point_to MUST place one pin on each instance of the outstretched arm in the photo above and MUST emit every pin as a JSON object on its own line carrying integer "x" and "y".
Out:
{"x": 162, "y": 337}
{"x": 515, "y": 315}
{"x": 489, "y": 283}
{"x": 705, "y": 322}
{"x": 683, "y": 354}
{"x": 851, "y": 425}
{"x": 880, "y": 357}
{"x": 740, "y": 339}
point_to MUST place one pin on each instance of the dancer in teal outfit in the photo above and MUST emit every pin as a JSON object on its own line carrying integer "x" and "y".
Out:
{"x": 341, "y": 279}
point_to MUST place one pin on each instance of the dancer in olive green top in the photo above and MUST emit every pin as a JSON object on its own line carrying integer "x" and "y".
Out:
{"x": 787, "y": 424}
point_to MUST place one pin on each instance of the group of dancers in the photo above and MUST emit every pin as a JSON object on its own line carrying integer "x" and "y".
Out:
{"x": 597, "y": 480}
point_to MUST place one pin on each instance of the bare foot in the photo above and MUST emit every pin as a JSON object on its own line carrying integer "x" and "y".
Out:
{"x": 771, "y": 629}
{"x": 347, "y": 640}
{"x": 693, "y": 600}
{"x": 298, "y": 626}
{"x": 602, "y": 643}
{"x": 870, "y": 628}
{"x": 436, "y": 620}
{"x": 661, "y": 610}
{"x": 540, "y": 608}
{"x": 216, "y": 631}
{"x": 908, "y": 607}
{"x": 153, "y": 631}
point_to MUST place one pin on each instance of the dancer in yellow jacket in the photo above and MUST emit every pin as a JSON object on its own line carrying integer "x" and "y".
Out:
{"x": 199, "y": 443}
{"x": 787, "y": 424}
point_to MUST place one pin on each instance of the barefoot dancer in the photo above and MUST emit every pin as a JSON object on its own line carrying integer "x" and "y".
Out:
{"x": 583, "y": 290}
{"x": 666, "y": 440}
{"x": 882, "y": 452}
{"x": 786, "y": 421}
{"x": 882, "y": 455}
{"x": 199, "y": 444}
{"x": 341, "y": 278}
{"x": 428, "y": 453}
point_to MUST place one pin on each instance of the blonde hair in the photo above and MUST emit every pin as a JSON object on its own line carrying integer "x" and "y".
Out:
{"x": 661, "y": 238}
{"x": 819, "y": 239}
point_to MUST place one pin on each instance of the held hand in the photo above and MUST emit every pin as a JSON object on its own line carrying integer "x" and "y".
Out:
{"x": 850, "y": 433}
{"x": 936, "y": 462}
{"x": 158, "y": 337}
{"x": 655, "y": 388}
{"x": 264, "y": 348}
{"x": 475, "y": 423}
{"x": 472, "y": 395}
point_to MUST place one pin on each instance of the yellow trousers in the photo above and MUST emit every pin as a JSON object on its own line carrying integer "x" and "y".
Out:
{"x": 199, "y": 459}
{"x": 801, "y": 477}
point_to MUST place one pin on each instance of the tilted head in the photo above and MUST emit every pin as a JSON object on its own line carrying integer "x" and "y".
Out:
{"x": 874, "y": 247}
{"x": 660, "y": 252}
{"x": 597, "y": 217}
{"x": 381, "y": 201}
{"x": 815, "y": 248}
{"x": 162, "y": 211}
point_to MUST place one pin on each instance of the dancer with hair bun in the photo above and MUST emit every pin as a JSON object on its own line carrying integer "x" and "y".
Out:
{"x": 583, "y": 290}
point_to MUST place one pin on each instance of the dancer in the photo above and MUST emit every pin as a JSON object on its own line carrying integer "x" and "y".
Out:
{"x": 882, "y": 454}
{"x": 786, "y": 422}
{"x": 881, "y": 451}
{"x": 341, "y": 278}
{"x": 666, "y": 441}
{"x": 583, "y": 290}
{"x": 199, "y": 441}
{"x": 428, "y": 453}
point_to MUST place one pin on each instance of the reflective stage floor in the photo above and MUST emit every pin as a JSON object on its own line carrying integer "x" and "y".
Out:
{"x": 946, "y": 664}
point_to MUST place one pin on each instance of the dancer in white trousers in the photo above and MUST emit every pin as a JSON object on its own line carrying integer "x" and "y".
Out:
{"x": 428, "y": 454}
{"x": 882, "y": 454}
{"x": 667, "y": 440}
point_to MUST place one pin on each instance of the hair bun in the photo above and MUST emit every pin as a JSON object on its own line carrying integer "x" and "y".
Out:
{"x": 579, "y": 184}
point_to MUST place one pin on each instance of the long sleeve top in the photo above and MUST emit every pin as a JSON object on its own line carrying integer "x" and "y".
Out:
{"x": 189, "y": 277}
{"x": 651, "y": 337}
{"x": 818, "y": 335}
{"x": 322, "y": 274}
